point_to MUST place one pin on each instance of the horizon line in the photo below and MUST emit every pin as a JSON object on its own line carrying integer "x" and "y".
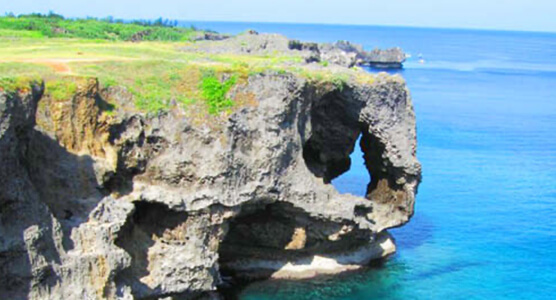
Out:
{"x": 373, "y": 25}
{"x": 315, "y": 23}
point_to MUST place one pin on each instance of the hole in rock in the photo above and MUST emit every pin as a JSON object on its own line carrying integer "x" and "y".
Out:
{"x": 355, "y": 180}
{"x": 264, "y": 237}
{"x": 341, "y": 149}
{"x": 152, "y": 226}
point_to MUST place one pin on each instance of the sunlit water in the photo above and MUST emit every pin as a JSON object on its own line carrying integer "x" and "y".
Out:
{"x": 485, "y": 221}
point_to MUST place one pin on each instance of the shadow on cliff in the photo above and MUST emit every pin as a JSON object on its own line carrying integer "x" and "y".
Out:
{"x": 27, "y": 235}
{"x": 46, "y": 192}
{"x": 38, "y": 191}
{"x": 149, "y": 223}
{"x": 66, "y": 183}
{"x": 335, "y": 128}
{"x": 69, "y": 186}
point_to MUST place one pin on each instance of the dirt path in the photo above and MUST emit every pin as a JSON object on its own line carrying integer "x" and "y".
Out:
{"x": 61, "y": 65}
{"x": 58, "y": 66}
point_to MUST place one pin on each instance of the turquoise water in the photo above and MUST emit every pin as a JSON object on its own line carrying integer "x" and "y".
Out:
{"x": 485, "y": 221}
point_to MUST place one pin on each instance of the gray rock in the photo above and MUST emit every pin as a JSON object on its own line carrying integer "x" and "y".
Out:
{"x": 342, "y": 53}
{"x": 392, "y": 58}
{"x": 246, "y": 43}
{"x": 210, "y": 36}
{"x": 145, "y": 206}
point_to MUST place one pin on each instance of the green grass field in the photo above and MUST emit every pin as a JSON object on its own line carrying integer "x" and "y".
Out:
{"x": 155, "y": 71}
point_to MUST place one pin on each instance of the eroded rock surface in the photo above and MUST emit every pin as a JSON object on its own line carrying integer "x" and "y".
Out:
{"x": 392, "y": 58}
{"x": 144, "y": 206}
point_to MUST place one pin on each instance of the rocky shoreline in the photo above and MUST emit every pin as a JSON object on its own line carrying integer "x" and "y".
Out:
{"x": 342, "y": 53}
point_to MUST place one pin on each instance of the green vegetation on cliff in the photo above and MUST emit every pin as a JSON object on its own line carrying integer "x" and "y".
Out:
{"x": 16, "y": 83}
{"x": 61, "y": 89}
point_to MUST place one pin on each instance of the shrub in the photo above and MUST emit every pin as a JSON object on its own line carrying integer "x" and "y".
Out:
{"x": 214, "y": 92}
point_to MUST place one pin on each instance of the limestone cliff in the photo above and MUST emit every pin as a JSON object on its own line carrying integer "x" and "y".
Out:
{"x": 130, "y": 205}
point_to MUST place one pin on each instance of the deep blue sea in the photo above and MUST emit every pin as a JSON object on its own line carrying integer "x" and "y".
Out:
{"x": 485, "y": 218}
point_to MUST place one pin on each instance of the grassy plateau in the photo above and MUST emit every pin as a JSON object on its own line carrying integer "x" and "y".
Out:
{"x": 145, "y": 58}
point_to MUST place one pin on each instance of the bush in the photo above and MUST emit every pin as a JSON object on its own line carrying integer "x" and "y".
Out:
{"x": 214, "y": 92}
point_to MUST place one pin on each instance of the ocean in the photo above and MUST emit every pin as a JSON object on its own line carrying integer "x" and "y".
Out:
{"x": 485, "y": 218}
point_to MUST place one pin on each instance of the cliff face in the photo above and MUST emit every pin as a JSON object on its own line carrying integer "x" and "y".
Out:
{"x": 129, "y": 205}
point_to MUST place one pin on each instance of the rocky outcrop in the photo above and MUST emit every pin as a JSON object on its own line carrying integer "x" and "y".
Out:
{"x": 123, "y": 205}
{"x": 342, "y": 53}
{"x": 209, "y": 36}
{"x": 392, "y": 58}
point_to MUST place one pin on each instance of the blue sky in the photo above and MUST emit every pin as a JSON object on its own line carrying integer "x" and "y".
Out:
{"x": 533, "y": 15}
